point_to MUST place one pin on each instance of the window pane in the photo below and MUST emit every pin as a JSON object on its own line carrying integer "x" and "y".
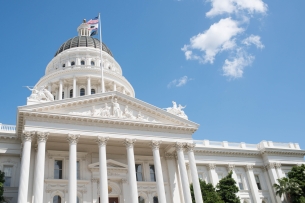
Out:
{"x": 71, "y": 93}
{"x": 92, "y": 91}
{"x": 56, "y": 199}
{"x": 7, "y": 175}
{"x": 7, "y": 182}
{"x": 141, "y": 199}
{"x": 152, "y": 173}
{"x": 57, "y": 169}
{"x": 92, "y": 63}
{"x": 240, "y": 183}
{"x": 82, "y": 63}
{"x": 155, "y": 199}
{"x": 63, "y": 95}
{"x": 72, "y": 63}
{"x": 258, "y": 182}
{"x": 139, "y": 172}
{"x": 82, "y": 92}
{"x": 78, "y": 170}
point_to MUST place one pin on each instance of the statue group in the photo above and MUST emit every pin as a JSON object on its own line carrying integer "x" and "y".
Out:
{"x": 177, "y": 110}
{"x": 40, "y": 94}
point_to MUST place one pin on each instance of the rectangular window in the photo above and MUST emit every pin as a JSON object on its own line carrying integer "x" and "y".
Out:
{"x": 7, "y": 175}
{"x": 200, "y": 176}
{"x": 152, "y": 173}
{"x": 220, "y": 176}
{"x": 58, "y": 169}
{"x": 258, "y": 182}
{"x": 139, "y": 171}
{"x": 240, "y": 182}
{"x": 78, "y": 170}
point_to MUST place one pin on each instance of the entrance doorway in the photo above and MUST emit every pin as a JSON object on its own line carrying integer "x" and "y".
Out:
{"x": 111, "y": 200}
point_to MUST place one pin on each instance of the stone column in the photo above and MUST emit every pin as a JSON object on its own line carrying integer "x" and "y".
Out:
{"x": 158, "y": 171}
{"x": 213, "y": 174}
{"x": 194, "y": 173}
{"x": 270, "y": 188}
{"x": 102, "y": 141}
{"x": 50, "y": 87}
{"x": 72, "y": 139}
{"x": 183, "y": 173}
{"x": 40, "y": 167}
{"x": 126, "y": 196}
{"x": 133, "y": 186}
{"x": 173, "y": 178}
{"x": 94, "y": 191}
{"x": 231, "y": 167}
{"x": 279, "y": 170}
{"x": 114, "y": 86}
{"x": 25, "y": 166}
{"x": 60, "y": 90}
{"x": 253, "y": 186}
{"x": 88, "y": 86}
{"x": 273, "y": 177}
{"x": 74, "y": 87}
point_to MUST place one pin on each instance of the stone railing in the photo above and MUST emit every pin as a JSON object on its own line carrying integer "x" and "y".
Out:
{"x": 7, "y": 128}
{"x": 242, "y": 145}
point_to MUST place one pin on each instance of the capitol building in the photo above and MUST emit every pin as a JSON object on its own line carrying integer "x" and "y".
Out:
{"x": 84, "y": 137}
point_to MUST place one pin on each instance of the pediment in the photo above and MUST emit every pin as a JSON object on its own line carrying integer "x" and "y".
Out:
{"x": 111, "y": 164}
{"x": 108, "y": 106}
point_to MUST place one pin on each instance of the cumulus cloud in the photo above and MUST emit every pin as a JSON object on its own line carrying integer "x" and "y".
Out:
{"x": 179, "y": 82}
{"x": 220, "y": 7}
{"x": 255, "y": 40}
{"x": 227, "y": 36}
{"x": 219, "y": 37}
{"x": 234, "y": 68}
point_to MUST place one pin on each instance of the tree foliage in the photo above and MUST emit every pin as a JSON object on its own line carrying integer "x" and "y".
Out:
{"x": 1, "y": 186}
{"x": 288, "y": 188}
{"x": 227, "y": 189}
{"x": 297, "y": 173}
{"x": 209, "y": 194}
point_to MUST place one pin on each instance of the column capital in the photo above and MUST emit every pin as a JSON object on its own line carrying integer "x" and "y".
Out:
{"x": 94, "y": 180}
{"x": 190, "y": 147}
{"x": 212, "y": 166}
{"x": 27, "y": 136}
{"x": 263, "y": 168}
{"x": 123, "y": 180}
{"x": 155, "y": 144}
{"x": 278, "y": 165}
{"x": 42, "y": 136}
{"x": 170, "y": 155}
{"x": 230, "y": 167}
{"x": 179, "y": 146}
{"x": 270, "y": 165}
{"x": 129, "y": 142}
{"x": 72, "y": 138}
{"x": 102, "y": 141}
{"x": 249, "y": 167}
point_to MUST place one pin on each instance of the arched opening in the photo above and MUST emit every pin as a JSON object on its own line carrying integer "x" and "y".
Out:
{"x": 141, "y": 199}
{"x": 92, "y": 63}
{"x": 57, "y": 199}
{"x": 72, "y": 63}
{"x": 82, "y": 92}
{"x": 92, "y": 91}
{"x": 71, "y": 93}
{"x": 155, "y": 199}
{"x": 63, "y": 95}
{"x": 63, "y": 65}
{"x": 82, "y": 62}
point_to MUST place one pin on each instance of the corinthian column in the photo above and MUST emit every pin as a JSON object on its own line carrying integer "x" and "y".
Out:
{"x": 39, "y": 167}
{"x": 183, "y": 173}
{"x": 194, "y": 173}
{"x": 158, "y": 171}
{"x": 131, "y": 171}
{"x": 102, "y": 141}
{"x": 25, "y": 166}
{"x": 253, "y": 186}
{"x": 72, "y": 139}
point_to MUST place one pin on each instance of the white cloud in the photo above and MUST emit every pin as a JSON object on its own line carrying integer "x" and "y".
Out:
{"x": 219, "y": 37}
{"x": 179, "y": 82}
{"x": 235, "y": 68}
{"x": 253, "y": 39}
{"x": 220, "y": 7}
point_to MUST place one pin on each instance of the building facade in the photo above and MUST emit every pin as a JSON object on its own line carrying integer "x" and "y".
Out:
{"x": 84, "y": 138}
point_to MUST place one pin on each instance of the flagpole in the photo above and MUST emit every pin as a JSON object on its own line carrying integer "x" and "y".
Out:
{"x": 102, "y": 74}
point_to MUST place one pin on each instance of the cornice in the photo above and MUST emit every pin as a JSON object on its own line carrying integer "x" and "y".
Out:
{"x": 272, "y": 151}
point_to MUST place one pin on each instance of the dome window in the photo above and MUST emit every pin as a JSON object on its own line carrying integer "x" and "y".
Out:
{"x": 63, "y": 65}
{"x": 92, "y": 91}
{"x": 82, "y": 92}
{"x": 71, "y": 93}
{"x": 72, "y": 63}
{"x": 92, "y": 63}
{"x": 82, "y": 62}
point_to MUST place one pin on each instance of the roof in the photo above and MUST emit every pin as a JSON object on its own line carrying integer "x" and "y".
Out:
{"x": 82, "y": 41}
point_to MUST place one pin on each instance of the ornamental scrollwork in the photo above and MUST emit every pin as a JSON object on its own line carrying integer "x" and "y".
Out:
{"x": 42, "y": 136}
{"x": 212, "y": 166}
{"x": 102, "y": 141}
{"x": 72, "y": 138}
{"x": 155, "y": 144}
{"x": 249, "y": 167}
{"x": 129, "y": 142}
{"x": 190, "y": 147}
{"x": 230, "y": 167}
{"x": 28, "y": 136}
{"x": 179, "y": 146}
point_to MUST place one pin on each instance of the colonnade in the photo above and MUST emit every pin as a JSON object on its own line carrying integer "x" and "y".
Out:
{"x": 62, "y": 87}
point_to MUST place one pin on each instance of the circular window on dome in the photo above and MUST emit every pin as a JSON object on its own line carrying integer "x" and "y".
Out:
{"x": 92, "y": 63}
{"x": 72, "y": 63}
{"x": 82, "y": 62}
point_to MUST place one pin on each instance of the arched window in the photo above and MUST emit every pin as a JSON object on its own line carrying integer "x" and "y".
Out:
{"x": 72, "y": 63}
{"x": 155, "y": 199}
{"x": 63, "y": 95}
{"x": 141, "y": 199}
{"x": 92, "y": 63}
{"x": 63, "y": 65}
{"x": 82, "y": 62}
{"x": 92, "y": 91}
{"x": 71, "y": 93}
{"x": 56, "y": 199}
{"x": 82, "y": 92}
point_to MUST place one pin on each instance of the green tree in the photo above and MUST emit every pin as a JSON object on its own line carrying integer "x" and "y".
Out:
{"x": 1, "y": 186}
{"x": 209, "y": 194}
{"x": 289, "y": 189}
{"x": 227, "y": 189}
{"x": 297, "y": 173}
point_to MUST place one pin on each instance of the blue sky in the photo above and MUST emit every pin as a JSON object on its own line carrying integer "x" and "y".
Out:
{"x": 239, "y": 67}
